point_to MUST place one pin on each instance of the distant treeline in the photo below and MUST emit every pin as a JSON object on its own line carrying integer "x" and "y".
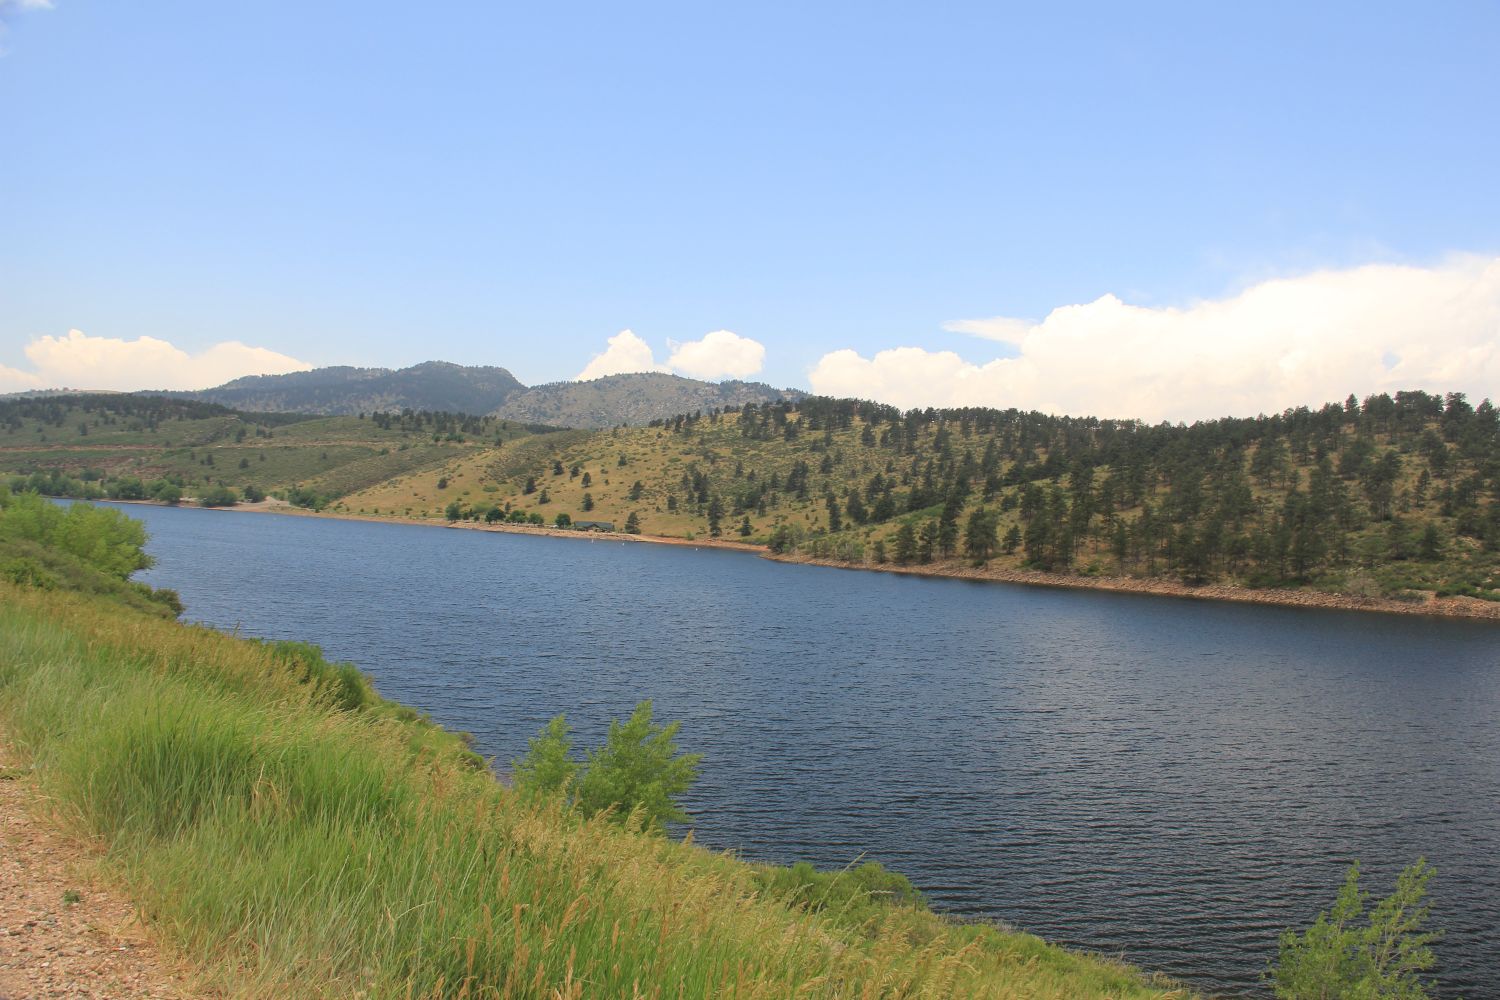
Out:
{"x": 123, "y": 411}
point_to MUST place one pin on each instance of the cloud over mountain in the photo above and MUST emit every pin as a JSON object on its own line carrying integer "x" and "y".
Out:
{"x": 1279, "y": 343}
{"x": 80, "y": 361}
{"x": 720, "y": 354}
{"x": 626, "y": 353}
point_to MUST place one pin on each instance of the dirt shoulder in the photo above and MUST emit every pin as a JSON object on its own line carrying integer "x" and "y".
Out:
{"x": 62, "y": 933}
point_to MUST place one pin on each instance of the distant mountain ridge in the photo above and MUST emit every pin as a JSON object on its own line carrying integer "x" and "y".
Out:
{"x": 633, "y": 399}
{"x": 439, "y": 385}
{"x": 342, "y": 390}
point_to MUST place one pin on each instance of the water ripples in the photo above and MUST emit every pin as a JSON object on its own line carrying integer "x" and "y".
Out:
{"x": 1167, "y": 780}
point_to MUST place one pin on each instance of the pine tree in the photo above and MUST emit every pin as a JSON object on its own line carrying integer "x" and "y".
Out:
{"x": 927, "y": 540}
{"x": 857, "y": 512}
{"x": 947, "y": 527}
{"x": 715, "y": 515}
{"x": 979, "y": 536}
{"x": 906, "y": 544}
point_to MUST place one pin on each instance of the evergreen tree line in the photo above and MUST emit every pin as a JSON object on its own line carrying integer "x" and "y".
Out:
{"x": 1269, "y": 499}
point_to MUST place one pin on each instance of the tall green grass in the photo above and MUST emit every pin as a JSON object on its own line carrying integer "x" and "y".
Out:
{"x": 292, "y": 842}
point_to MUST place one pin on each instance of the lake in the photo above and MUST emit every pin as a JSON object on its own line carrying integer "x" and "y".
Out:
{"x": 1169, "y": 780}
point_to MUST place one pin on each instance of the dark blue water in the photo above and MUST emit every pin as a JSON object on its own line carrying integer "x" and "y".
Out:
{"x": 1173, "y": 781}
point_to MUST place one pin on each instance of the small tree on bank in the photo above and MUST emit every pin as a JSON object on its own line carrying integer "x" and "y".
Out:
{"x": 548, "y": 767}
{"x": 637, "y": 775}
{"x": 1337, "y": 958}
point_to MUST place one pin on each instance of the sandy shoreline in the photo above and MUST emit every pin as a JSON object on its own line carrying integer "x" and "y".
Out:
{"x": 1442, "y": 607}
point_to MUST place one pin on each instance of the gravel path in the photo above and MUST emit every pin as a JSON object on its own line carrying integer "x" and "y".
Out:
{"x": 61, "y": 934}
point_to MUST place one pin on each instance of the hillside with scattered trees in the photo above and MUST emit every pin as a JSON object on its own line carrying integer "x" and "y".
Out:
{"x": 633, "y": 399}
{"x": 1390, "y": 495}
{"x": 169, "y": 449}
{"x": 1385, "y": 497}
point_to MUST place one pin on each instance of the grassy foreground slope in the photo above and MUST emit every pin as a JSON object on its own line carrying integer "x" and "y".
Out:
{"x": 1396, "y": 497}
{"x": 294, "y": 835}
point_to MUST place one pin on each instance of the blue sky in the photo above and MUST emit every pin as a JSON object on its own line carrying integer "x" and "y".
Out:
{"x": 513, "y": 184}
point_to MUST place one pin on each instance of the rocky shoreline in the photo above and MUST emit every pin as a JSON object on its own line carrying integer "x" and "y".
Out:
{"x": 1445, "y": 607}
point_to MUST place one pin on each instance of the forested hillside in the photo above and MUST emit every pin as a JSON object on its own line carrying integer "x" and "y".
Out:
{"x": 432, "y": 385}
{"x": 1384, "y": 496}
{"x": 1388, "y": 496}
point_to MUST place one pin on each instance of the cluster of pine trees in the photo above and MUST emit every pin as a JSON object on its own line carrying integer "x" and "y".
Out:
{"x": 443, "y": 425}
{"x": 1292, "y": 497}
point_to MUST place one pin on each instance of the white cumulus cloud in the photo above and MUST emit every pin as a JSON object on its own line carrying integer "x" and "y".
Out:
{"x": 79, "y": 361}
{"x": 720, "y": 354}
{"x": 1280, "y": 343}
{"x": 626, "y": 353}
{"x": 1006, "y": 329}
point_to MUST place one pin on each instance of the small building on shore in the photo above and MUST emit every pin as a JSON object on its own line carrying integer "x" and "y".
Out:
{"x": 594, "y": 525}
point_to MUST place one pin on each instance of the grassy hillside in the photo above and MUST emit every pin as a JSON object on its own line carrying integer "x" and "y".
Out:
{"x": 386, "y": 864}
{"x": 1389, "y": 496}
{"x": 121, "y": 446}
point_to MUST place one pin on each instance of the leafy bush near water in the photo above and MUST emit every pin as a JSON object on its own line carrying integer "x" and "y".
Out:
{"x": 635, "y": 778}
{"x": 80, "y": 547}
{"x": 1337, "y": 958}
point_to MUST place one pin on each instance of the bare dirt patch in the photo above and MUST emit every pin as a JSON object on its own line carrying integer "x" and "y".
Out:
{"x": 62, "y": 933}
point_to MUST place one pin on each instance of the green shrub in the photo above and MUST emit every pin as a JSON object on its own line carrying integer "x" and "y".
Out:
{"x": 301, "y": 496}
{"x": 218, "y": 496}
{"x": 102, "y": 538}
{"x": 24, "y": 571}
{"x": 548, "y": 767}
{"x": 1337, "y": 957}
{"x": 636, "y": 777}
